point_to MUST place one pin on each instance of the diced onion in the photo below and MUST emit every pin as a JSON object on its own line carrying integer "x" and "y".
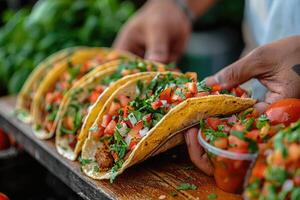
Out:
{"x": 144, "y": 131}
{"x": 165, "y": 103}
{"x": 128, "y": 139}
{"x": 89, "y": 108}
{"x": 123, "y": 129}
{"x": 288, "y": 185}
{"x": 132, "y": 119}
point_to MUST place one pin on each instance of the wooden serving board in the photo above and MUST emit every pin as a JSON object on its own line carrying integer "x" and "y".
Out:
{"x": 157, "y": 178}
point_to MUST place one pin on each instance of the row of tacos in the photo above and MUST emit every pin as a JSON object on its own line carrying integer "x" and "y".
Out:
{"x": 115, "y": 108}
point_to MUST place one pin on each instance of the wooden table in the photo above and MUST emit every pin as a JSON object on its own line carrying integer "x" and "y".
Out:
{"x": 156, "y": 178}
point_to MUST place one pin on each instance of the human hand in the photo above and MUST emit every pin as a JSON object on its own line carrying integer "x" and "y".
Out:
{"x": 275, "y": 65}
{"x": 158, "y": 32}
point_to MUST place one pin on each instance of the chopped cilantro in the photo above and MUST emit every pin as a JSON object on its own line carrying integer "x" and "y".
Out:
{"x": 202, "y": 87}
{"x": 186, "y": 186}
{"x": 212, "y": 196}
{"x": 84, "y": 161}
{"x": 261, "y": 121}
{"x": 276, "y": 175}
{"x": 221, "y": 127}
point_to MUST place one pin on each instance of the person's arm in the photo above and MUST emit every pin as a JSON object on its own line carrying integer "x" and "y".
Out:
{"x": 276, "y": 66}
{"x": 160, "y": 29}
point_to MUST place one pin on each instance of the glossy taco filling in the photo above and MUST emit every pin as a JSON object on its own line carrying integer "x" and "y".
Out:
{"x": 82, "y": 99}
{"x": 55, "y": 94}
{"x": 276, "y": 173}
{"x": 128, "y": 120}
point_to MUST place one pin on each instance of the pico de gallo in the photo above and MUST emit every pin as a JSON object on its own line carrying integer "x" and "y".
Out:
{"x": 128, "y": 120}
{"x": 83, "y": 98}
{"x": 241, "y": 134}
{"x": 276, "y": 173}
{"x": 55, "y": 94}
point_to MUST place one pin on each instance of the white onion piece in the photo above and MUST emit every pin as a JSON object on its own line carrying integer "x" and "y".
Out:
{"x": 288, "y": 185}
{"x": 123, "y": 129}
{"x": 144, "y": 131}
{"x": 132, "y": 119}
{"x": 128, "y": 139}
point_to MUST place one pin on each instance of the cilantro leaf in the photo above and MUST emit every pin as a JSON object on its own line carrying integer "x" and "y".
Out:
{"x": 186, "y": 186}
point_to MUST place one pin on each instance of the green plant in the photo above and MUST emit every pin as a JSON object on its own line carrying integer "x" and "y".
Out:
{"x": 30, "y": 36}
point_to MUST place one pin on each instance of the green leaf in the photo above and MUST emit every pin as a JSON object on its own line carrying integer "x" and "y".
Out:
{"x": 261, "y": 121}
{"x": 212, "y": 196}
{"x": 84, "y": 162}
{"x": 186, "y": 186}
{"x": 238, "y": 134}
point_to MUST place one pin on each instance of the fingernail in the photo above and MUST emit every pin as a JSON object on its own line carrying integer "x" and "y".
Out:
{"x": 211, "y": 80}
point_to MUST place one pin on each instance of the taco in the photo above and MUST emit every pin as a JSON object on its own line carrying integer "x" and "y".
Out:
{"x": 276, "y": 172}
{"x": 60, "y": 79}
{"x": 29, "y": 88}
{"x": 141, "y": 119}
{"x": 73, "y": 112}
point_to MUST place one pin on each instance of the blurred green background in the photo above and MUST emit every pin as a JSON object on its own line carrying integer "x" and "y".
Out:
{"x": 32, "y": 31}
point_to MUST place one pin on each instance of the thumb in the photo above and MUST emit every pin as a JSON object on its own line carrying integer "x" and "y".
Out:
{"x": 238, "y": 72}
{"x": 157, "y": 47}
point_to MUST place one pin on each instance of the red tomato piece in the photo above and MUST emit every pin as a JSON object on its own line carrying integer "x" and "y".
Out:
{"x": 239, "y": 91}
{"x": 216, "y": 88}
{"x": 221, "y": 143}
{"x": 134, "y": 132}
{"x": 114, "y": 108}
{"x": 3, "y": 196}
{"x": 98, "y": 133}
{"x": 253, "y": 135}
{"x": 157, "y": 104}
{"x": 214, "y": 122}
{"x": 124, "y": 100}
{"x": 57, "y": 97}
{"x": 166, "y": 95}
{"x": 4, "y": 140}
{"x": 237, "y": 143}
{"x": 132, "y": 144}
{"x": 284, "y": 111}
{"x": 148, "y": 118}
{"x": 259, "y": 168}
{"x": 126, "y": 111}
{"x": 238, "y": 127}
{"x": 72, "y": 140}
{"x": 105, "y": 120}
{"x": 192, "y": 87}
{"x": 110, "y": 129}
{"x": 94, "y": 96}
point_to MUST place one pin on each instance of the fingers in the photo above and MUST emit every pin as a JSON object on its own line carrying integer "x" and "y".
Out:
{"x": 242, "y": 70}
{"x": 157, "y": 47}
{"x": 197, "y": 153}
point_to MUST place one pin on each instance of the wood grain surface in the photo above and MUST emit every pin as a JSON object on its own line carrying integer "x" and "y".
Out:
{"x": 156, "y": 178}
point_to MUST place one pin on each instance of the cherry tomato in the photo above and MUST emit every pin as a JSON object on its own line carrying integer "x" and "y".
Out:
{"x": 214, "y": 122}
{"x": 166, "y": 95}
{"x": 157, "y": 104}
{"x": 3, "y": 196}
{"x": 284, "y": 111}
{"x": 124, "y": 100}
{"x": 4, "y": 140}
{"x": 114, "y": 108}
{"x": 110, "y": 129}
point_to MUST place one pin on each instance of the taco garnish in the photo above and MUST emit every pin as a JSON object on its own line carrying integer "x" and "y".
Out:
{"x": 128, "y": 119}
{"x": 276, "y": 172}
{"x": 83, "y": 96}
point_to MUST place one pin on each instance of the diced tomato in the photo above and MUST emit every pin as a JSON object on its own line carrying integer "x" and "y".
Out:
{"x": 189, "y": 95}
{"x": 216, "y": 88}
{"x": 57, "y": 97}
{"x": 115, "y": 155}
{"x": 297, "y": 180}
{"x": 237, "y": 144}
{"x": 64, "y": 85}
{"x": 72, "y": 140}
{"x": 105, "y": 120}
{"x": 100, "y": 88}
{"x": 134, "y": 132}
{"x": 126, "y": 111}
{"x": 49, "y": 98}
{"x": 192, "y": 75}
{"x": 132, "y": 144}
{"x": 166, "y": 95}
{"x": 176, "y": 98}
{"x": 192, "y": 87}
{"x": 124, "y": 100}
{"x": 221, "y": 143}
{"x": 239, "y": 91}
{"x": 202, "y": 94}
{"x": 161, "y": 68}
{"x": 98, "y": 133}
{"x": 157, "y": 104}
{"x": 94, "y": 96}
{"x": 214, "y": 122}
{"x": 148, "y": 118}
{"x": 259, "y": 168}
{"x": 253, "y": 135}
{"x": 110, "y": 129}
{"x": 114, "y": 108}
{"x": 238, "y": 127}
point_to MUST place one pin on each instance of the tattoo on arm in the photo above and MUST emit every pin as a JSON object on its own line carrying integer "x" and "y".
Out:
{"x": 296, "y": 69}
